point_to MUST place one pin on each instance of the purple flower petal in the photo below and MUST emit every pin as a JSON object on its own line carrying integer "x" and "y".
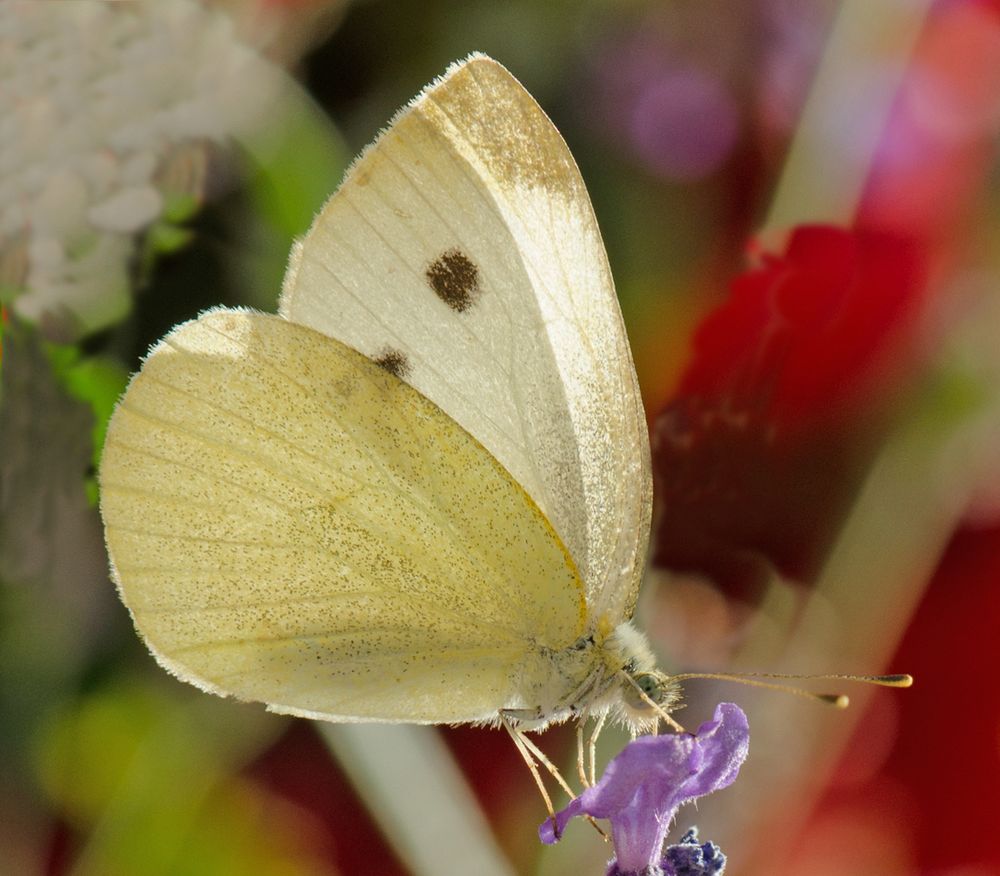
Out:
{"x": 643, "y": 786}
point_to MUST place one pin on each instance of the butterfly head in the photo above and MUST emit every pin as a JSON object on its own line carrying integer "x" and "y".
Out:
{"x": 646, "y": 696}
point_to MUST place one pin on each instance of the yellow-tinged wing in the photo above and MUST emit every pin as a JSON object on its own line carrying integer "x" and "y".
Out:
{"x": 290, "y": 523}
{"x": 462, "y": 252}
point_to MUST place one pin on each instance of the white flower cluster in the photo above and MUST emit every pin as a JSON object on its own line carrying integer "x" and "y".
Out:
{"x": 96, "y": 102}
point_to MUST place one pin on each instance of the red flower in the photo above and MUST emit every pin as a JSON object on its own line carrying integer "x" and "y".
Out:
{"x": 759, "y": 454}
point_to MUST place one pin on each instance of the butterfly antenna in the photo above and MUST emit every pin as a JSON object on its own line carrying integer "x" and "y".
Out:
{"x": 768, "y": 680}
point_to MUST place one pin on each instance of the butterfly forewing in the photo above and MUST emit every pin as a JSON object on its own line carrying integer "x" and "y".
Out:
{"x": 290, "y": 523}
{"x": 462, "y": 254}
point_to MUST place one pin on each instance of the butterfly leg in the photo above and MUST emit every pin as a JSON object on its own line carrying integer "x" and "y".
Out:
{"x": 592, "y": 748}
{"x": 586, "y": 753}
{"x": 531, "y": 752}
{"x": 529, "y": 719}
{"x": 581, "y": 771}
{"x": 537, "y": 754}
{"x": 519, "y": 741}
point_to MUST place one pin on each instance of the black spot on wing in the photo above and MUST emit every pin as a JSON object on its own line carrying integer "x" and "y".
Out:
{"x": 395, "y": 362}
{"x": 454, "y": 279}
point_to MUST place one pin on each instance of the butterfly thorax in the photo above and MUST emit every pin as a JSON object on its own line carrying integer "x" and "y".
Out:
{"x": 600, "y": 673}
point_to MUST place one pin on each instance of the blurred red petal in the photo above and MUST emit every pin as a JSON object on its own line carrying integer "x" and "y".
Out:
{"x": 758, "y": 455}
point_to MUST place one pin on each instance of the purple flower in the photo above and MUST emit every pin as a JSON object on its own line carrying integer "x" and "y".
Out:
{"x": 643, "y": 786}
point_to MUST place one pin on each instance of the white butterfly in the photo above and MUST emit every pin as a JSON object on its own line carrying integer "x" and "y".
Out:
{"x": 422, "y": 493}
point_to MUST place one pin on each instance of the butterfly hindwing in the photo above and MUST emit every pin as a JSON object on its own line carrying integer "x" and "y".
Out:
{"x": 290, "y": 523}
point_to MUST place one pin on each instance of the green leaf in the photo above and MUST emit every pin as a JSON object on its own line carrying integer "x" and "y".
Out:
{"x": 96, "y": 381}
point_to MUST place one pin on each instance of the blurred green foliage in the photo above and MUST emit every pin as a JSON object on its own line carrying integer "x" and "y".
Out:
{"x": 150, "y": 779}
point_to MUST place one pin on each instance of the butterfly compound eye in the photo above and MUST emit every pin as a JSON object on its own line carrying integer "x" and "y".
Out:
{"x": 649, "y": 684}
